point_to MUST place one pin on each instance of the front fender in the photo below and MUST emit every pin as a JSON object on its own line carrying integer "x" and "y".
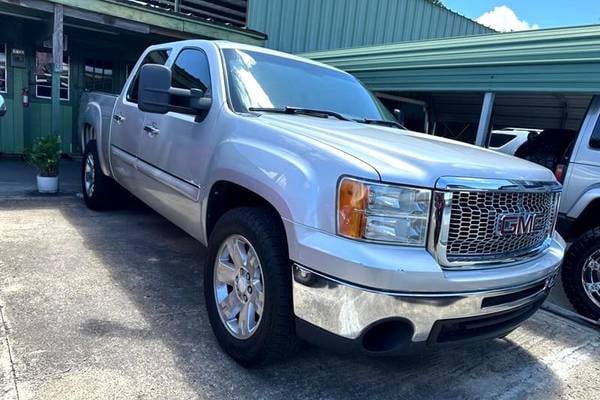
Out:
{"x": 298, "y": 179}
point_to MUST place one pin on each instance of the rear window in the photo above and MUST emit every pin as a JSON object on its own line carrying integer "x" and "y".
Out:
{"x": 500, "y": 139}
{"x": 154, "y": 57}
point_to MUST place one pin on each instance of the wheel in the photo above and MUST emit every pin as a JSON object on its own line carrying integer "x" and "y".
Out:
{"x": 98, "y": 189}
{"x": 581, "y": 274}
{"x": 247, "y": 286}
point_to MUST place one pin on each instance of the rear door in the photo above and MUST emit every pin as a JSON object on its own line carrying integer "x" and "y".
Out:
{"x": 127, "y": 125}
{"x": 174, "y": 148}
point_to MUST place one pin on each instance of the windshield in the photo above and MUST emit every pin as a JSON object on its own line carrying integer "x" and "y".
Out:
{"x": 259, "y": 80}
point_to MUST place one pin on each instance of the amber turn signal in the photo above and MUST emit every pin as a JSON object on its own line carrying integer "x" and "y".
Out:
{"x": 353, "y": 197}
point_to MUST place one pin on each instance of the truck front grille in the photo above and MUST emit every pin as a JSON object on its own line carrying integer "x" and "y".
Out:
{"x": 474, "y": 230}
{"x": 478, "y": 222}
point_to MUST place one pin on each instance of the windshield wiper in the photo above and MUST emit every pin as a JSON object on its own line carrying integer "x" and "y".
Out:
{"x": 302, "y": 111}
{"x": 381, "y": 122}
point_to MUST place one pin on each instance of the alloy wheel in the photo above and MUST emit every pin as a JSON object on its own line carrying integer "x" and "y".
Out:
{"x": 239, "y": 286}
{"x": 89, "y": 175}
{"x": 590, "y": 277}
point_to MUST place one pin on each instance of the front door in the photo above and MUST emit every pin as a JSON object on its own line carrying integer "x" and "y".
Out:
{"x": 174, "y": 147}
{"x": 126, "y": 127}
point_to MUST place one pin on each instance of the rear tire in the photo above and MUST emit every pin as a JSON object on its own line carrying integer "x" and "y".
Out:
{"x": 98, "y": 190}
{"x": 581, "y": 260}
{"x": 271, "y": 336}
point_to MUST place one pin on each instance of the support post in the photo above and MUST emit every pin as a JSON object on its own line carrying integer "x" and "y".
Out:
{"x": 483, "y": 130}
{"x": 177, "y": 6}
{"x": 57, "y": 63}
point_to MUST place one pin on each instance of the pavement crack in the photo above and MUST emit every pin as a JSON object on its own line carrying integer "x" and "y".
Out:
{"x": 8, "y": 348}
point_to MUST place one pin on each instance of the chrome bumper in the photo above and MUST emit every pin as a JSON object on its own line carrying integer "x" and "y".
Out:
{"x": 347, "y": 310}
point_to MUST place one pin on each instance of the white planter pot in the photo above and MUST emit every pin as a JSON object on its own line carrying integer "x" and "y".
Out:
{"x": 47, "y": 184}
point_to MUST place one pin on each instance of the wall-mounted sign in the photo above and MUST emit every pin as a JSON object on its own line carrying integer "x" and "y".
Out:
{"x": 17, "y": 58}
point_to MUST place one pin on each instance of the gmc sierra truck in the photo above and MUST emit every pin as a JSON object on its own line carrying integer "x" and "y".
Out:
{"x": 324, "y": 218}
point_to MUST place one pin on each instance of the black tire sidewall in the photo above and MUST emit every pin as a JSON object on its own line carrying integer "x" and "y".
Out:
{"x": 576, "y": 258}
{"x": 253, "y": 350}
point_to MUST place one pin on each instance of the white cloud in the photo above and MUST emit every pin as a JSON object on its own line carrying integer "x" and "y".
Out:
{"x": 504, "y": 19}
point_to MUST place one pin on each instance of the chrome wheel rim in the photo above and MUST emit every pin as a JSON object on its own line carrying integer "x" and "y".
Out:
{"x": 590, "y": 277}
{"x": 89, "y": 175}
{"x": 239, "y": 286}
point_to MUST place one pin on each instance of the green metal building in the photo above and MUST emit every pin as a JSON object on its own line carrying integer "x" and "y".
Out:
{"x": 536, "y": 79}
{"x": 101, "y": 40}
{"x": 297, "y": 26}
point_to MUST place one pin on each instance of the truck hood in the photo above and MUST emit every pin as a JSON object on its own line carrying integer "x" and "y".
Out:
{"x": 407, "y": 157}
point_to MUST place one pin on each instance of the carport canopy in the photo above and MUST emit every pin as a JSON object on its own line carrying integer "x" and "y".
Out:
{"x": 546, "y": 75}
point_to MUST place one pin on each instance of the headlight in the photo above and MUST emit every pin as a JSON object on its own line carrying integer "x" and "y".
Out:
{"x": 383, "y": 213}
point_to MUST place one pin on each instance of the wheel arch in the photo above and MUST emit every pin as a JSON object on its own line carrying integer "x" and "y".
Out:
{"x": 225, "y": 195}
{"x": 586, "y": 219}
{"x": 90, "y": 128}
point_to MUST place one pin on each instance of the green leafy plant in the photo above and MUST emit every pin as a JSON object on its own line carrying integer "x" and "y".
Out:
{"x": 45, "y": 155}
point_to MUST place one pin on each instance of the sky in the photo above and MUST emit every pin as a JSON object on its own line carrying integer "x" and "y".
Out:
{"x": 514, "y": 15}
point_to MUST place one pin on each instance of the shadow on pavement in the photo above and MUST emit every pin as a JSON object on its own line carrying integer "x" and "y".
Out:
{"x": 158, "y": 268}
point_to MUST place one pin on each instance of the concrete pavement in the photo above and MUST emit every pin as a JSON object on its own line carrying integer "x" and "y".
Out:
{"x": 110, "y": 305}
{"x": 17, "y": 179}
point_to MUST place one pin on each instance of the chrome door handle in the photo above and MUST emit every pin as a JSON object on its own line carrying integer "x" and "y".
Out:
{"x": 118, "y": 118}
{"x": 152, "y": 130}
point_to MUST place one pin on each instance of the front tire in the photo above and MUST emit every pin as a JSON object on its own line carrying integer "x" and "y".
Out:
{"x": 581, "y": 274}
{"x": 98, "y": 189}
{"x": 247, "y": 286}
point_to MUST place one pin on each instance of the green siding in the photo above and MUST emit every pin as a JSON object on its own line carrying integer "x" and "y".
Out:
{"x": 307, "y": 25}
{"x": 8, "y": 132}
{"x": 40, "y": 123}
{"x": 563, "y": 60}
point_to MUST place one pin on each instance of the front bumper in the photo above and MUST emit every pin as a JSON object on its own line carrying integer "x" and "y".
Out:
{"x": 350, "y": 312}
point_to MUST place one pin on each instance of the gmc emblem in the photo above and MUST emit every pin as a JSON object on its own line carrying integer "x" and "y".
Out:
{"x": 518, "y": 224}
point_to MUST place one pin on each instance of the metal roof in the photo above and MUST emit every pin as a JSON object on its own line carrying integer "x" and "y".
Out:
{"x": 548, "y": 60}
{"x": 308, "y": 25}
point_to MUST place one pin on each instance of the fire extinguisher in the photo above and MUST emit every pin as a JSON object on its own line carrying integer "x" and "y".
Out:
{"x": 25, "y": 94}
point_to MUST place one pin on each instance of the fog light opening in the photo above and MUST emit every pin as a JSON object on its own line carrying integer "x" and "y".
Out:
{"x": 387, "y": 336}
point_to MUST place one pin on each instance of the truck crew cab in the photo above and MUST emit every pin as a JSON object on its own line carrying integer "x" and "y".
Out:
{"x": 324, "y": 218}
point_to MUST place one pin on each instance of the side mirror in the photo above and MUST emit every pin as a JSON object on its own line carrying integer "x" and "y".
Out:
{"x": 155, "y": 94}
{"x": 3, "y": 108}
{"x": 399, "y": 116}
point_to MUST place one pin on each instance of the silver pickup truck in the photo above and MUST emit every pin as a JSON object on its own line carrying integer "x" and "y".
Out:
{"x": 324, "y": 218}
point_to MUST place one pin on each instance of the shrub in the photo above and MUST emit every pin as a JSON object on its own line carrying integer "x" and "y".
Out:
{"x": 45, "y": 155}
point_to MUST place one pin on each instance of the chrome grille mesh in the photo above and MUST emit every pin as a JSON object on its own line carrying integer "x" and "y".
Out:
{"x": 474, "y": 218}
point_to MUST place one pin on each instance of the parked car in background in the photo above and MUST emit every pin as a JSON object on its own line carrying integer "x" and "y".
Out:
{"x": 323, "y": 217}
{"x": 575, "y": 158}
{"x": 508, "y": 140}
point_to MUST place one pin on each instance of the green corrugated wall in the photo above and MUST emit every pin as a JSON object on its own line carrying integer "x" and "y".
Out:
{"x": 307, "y": 25}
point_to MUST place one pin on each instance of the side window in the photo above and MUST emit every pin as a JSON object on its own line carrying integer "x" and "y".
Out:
{"x": 191, "y": 70}
{"x": 154, "y": 57}
{"x": 595, "y": 139}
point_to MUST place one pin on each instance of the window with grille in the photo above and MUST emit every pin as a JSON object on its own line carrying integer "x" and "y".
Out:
{"x": 43, "y": 76}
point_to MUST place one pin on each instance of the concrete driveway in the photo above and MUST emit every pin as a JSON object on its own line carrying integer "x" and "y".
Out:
{"x": 110, "y": 306}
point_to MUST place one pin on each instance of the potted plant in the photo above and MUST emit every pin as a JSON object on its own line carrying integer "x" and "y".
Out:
{"x": 45, "y": 155}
